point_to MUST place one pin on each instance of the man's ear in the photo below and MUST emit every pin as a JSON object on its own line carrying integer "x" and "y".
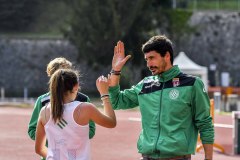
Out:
{"x": 167, "y": 56}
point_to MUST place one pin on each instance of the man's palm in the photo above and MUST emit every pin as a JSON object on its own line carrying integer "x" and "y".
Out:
{"x": 119, "y": 58}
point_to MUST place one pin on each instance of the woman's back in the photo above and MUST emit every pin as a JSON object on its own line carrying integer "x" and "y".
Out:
{"x": 67, "y": 139}
{"x": 65, "y": 122}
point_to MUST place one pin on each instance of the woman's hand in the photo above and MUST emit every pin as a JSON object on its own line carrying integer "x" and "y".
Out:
{"x": 102, "y": 85}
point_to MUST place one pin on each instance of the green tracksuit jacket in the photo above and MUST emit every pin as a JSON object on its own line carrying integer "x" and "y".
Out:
{"x": 174, "y": 108}
{"x": 42, "y": 101}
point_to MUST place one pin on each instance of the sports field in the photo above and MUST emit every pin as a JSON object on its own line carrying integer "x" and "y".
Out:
{"x": 108, "y": 144}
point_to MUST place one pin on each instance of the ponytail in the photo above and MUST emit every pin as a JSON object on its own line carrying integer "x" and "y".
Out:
{"x": 61, "y": 81}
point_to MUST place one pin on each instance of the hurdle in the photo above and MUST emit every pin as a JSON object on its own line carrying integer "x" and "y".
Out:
{"x": 215, "y": 145}
{"x": 236, "y": 133}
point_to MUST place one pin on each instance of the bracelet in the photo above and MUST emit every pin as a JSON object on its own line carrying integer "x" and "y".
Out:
{"x": 113, "y": 72}
{"x": 107, "y": 97}
{"x": 104, "y": 95}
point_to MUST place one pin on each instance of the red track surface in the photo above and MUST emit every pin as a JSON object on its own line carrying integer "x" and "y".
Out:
{"x": 108, "y": 144}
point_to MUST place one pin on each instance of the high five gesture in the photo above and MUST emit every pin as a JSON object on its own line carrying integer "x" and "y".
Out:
{"x": 119, "y": 58}
{"x": 118, "y": 61}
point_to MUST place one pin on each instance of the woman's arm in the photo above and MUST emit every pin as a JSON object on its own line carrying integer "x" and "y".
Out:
{"x": 107, "y": 118}
{"x": 40, "y": 143}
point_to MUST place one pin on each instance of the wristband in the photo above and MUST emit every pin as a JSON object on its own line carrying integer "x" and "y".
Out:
{"x": 104, "y": 98}
{"x": 104, "y": 95}
{"x": 113, "y": 72}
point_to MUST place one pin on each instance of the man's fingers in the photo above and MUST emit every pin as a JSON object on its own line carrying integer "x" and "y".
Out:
{"x": 115, "y": 50}
{"x": 122, "y": 48}
{"x": 118, "y": 47}
{"x": 126, "y": 58}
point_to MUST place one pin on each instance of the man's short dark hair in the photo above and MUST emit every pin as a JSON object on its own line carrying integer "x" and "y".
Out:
{"x": 161, "y": 44}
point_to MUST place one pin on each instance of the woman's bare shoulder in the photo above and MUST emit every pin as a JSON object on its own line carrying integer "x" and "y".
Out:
{"x": 87, "y": 107}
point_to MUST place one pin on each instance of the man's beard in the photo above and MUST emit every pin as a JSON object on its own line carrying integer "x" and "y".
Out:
{"x": 157, "y": 70}
{"x": 152, "y": 69}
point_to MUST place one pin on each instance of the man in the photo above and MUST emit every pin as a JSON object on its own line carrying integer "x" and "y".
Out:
{"x": 174, "y": 106}
{"x": 54, "y": 65}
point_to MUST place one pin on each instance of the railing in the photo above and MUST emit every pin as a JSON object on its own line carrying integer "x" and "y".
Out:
{"x": 25, "y": 99}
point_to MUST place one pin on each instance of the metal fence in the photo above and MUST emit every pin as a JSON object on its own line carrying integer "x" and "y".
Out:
{"x": 231, "y": 5}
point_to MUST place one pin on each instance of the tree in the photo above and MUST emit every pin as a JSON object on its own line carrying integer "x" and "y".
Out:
{"x": 97, "y": 25}
{"x": 17, "y": 15}
{"x": 175, "y": 24}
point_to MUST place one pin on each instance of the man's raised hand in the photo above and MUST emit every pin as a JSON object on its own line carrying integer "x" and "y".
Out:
{"x": 119, "y": 58}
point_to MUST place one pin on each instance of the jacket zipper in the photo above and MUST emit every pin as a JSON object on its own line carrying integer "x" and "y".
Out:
{"x": 159, "y": 117}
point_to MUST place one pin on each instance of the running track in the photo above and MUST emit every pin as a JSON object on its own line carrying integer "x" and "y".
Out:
{"x": 108, "y": 144}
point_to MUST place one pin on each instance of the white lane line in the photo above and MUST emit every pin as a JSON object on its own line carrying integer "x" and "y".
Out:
{"x": 134, "y": 119}
{"x": 223, "y": 125}
{"x": 215, "y": 124}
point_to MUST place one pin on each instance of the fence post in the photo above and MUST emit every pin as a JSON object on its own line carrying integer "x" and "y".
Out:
{"x": 25, "y": 92}
{"x": 2, "y": 94}
{"x": 174, "y": 4}
{"x": 236, "y": 132}
{"x": 217, "y": 101}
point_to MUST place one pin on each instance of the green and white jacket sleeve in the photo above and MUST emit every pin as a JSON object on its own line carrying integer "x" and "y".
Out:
{"x": 34, "y": 119}
{"x": 92, "y": 127}
{"x": 125, "y": 99}
{"x": 201, "y": 112}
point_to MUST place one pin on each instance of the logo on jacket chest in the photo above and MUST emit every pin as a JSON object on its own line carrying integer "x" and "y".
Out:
{"x": 175, "y": 82}
{"x": 173, "y": 94}
{"x": 152, "y": 84}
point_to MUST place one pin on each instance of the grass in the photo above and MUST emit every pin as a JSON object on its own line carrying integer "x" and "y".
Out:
{"x": 52, "y": 19}
{"x": 33, "y": 35}
{"x": 214, "y": 5}
{"x": 54, "y": 16}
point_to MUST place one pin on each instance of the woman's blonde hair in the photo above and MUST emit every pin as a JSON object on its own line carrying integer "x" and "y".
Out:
{"x": 56, "y": 64}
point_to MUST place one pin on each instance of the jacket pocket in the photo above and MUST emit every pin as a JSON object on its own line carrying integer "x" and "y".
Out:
{"x": 176, "y": 143}
{"x": 145, "y": 146}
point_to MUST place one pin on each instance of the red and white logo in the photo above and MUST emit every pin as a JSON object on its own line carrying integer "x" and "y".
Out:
{"x": 175, "y": 82}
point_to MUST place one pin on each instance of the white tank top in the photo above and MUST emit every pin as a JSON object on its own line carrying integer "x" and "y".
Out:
{"x": 67, "y": 140}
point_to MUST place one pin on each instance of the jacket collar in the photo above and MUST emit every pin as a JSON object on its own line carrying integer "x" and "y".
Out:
{"x": 169, "y": 74}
